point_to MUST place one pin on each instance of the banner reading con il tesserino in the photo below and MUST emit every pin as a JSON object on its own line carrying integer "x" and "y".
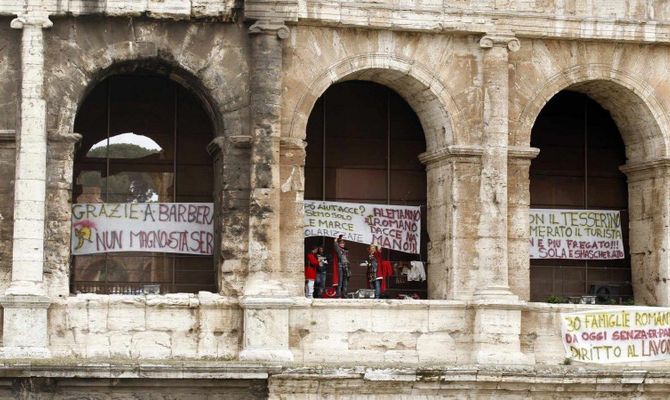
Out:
{"x": 388, "y": 226}
{"x": 630, "y": 334}
{"x": 185, "y": 228}
{"x": 576, "y": 234}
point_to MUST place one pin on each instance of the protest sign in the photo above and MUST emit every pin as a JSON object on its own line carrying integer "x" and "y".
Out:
{"x": 575, "y": 234}
{"x": 391, "y": 227}
{"x": 185, "y": 228}
{"x": 630, "y": 334}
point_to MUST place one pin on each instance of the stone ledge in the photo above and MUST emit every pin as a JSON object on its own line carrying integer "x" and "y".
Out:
{"x": 174, "y": 300}
{"x": 473, "y": 373}
{"x": 68, "y": 368}
{"x": 565, "y": 307}
{"x": 387, "y": 304}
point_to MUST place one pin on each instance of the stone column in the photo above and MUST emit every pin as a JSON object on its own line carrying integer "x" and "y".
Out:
{"x": 25, "y": 304}
{"x": 492, "y": 228}
{"x": 649, "y": 227}
{"x": 60, "y": 157}
{"x": 266, "y": 298}
{"x": 452, "y": 173}
{"x": 498, "y": 314}
{"x": 292, "y": 214}
{"x": 518, "y": 198}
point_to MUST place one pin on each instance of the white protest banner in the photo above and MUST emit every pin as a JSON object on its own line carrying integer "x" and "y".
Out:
{"x": 576, "y": 234}
{"x": 185, "y": 228}
{"x": 627, "y": 334}
{"x": 391, "y": 227}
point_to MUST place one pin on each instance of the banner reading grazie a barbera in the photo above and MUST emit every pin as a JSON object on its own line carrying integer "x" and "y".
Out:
{"x": 184, "y": 228}
{"x": 391, "y": 227}
{"x": 576, "y": 234}
{"x": 630, "y": 334}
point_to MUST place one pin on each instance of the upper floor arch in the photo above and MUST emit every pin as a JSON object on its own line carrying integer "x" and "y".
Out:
{"x": 640, "y": 117}
{"x": 424, "y": 93}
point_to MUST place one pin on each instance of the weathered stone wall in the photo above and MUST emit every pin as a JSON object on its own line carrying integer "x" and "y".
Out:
{"x": 393, "y": 332}
{"x": 468, "y": 383}
{"x": 170, "y": 327}
{"x": 129, "y": 389}
{"x": 630, "y": 82}
{"x": 433, "y": 55}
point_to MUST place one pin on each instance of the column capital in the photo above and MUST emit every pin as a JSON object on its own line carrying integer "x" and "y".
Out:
{"x": 507, "y": 40}
{"x": 39, "y": 20}
{"x": 523, "y": 153}
{"x": 71, "y": 138}
{"x": 270, "y": 27}
{"x": 637, "y": 171}
{"x": 451, "y": 152}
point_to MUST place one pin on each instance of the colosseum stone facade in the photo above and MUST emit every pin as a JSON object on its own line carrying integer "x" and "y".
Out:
{"x": 477, "y": 75}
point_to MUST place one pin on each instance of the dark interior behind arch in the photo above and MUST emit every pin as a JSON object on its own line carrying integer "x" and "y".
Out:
{"x": 581, "y": 151}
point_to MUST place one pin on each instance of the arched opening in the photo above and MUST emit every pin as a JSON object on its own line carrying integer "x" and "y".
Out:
{"x": 363, "y": 143}
{"x": 144, "y": 140}
{"x": 577, "y": 168}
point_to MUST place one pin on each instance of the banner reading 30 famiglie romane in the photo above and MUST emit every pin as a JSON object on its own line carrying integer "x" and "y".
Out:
{"x": 576, "y": 234}
{"x": 185, "y": 228}
{"x": 626, "y": 334}
{"x": 388, "y": 226}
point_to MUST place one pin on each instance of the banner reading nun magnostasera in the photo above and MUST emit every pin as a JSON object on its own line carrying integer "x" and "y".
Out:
{"x": 576, "y": 234}
{"x": 388, "y": 226}
{"x": 185, "y": 228}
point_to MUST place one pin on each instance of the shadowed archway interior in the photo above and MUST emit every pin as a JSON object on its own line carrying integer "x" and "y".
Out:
{"x": 144, "y": 139}
{"x": 581, "y": 151}
{"x": 363, "y": 143}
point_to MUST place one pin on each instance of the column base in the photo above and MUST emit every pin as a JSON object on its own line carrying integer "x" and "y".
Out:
{"x": 497, "y": 327}
{"x": 25, "y": 288}
{"x": 24, "y": 314}
{"x": 495, "y": 295}
{"x": 266, "y": 328}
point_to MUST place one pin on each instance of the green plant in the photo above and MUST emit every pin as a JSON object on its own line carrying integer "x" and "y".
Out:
{"x": 553, "y": 299}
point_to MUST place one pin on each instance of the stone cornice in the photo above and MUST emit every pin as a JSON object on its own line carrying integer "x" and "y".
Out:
{"x": 616, "y": 22}
{"x": 223, "y": 10}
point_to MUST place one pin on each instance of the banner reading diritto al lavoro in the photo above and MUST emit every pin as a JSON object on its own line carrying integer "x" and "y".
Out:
{"x": 626, "y": 334}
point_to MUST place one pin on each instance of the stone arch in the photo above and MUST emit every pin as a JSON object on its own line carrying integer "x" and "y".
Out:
{"x": 640, "y": 117}
{"x": 411, "y": 80}
{"x": 643, "y": 124}
{"x": 129, "y": 56}
{"x": 78, "y": 76}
